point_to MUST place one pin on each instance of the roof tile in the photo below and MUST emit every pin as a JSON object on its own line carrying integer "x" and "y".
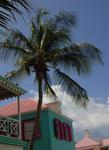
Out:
{"x": 85, "y": 142}
{"x": 26, "y": 105}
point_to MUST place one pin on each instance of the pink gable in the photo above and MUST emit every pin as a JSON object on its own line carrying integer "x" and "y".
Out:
{"x": 85, "y": 142}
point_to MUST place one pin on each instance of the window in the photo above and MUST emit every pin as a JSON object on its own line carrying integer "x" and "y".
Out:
{"x": 57, "y": 128}
{"x": 66, "y": 133}
{"x": 63, "y": 131}
{"x": 27, "y": 129}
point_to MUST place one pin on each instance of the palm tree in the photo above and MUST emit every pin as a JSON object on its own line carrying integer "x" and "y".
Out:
{"x": 49, "y": 48}
{"x": 8, "y": 8}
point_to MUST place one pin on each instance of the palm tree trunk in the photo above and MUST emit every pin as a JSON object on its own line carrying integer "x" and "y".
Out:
{"x": 37, "y": 117}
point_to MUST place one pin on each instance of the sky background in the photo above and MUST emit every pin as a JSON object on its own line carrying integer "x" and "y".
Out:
{"x": 93, "y": 27}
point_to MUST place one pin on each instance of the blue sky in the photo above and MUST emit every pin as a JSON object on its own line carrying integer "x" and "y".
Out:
{"x": 93, "y": 27}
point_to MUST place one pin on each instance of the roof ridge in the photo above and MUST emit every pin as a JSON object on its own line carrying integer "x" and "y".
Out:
{"x": 26, "y": 105}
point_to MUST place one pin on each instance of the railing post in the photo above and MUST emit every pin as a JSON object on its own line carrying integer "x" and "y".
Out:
{"x": 19, "y": 117}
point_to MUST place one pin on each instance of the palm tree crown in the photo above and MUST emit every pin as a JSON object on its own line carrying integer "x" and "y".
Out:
{"x": 49, "y": 47}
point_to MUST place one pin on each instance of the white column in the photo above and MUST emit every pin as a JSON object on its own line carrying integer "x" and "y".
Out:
{"x": 19, "y": 117}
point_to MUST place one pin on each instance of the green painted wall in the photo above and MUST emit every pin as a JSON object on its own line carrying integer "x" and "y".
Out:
{"x": 44, "y": 142}
{"x": 56, "y": 143}
{"x": 48, "y": 141}
{"x": 12, "y": 141}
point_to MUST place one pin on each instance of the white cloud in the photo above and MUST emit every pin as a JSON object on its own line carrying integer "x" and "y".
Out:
{"x": 94, "y": 117}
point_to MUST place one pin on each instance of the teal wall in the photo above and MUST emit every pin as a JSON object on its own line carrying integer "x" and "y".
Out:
{"x": 44, "y": 142}
{"x": 56, "y": 143}
{"x": 12, "y": 141}
{"x": 48, "y": 141}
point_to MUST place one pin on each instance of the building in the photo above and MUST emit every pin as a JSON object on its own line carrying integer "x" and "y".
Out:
{"x": 10, "y": 128}
{"x": 55, "y": 131}
{"x": 88, "y": 143}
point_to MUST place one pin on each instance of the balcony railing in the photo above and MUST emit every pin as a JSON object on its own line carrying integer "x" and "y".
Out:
{"x": 9, "y": 127}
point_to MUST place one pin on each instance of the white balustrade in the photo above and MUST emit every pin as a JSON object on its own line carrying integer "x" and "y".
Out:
{"x": 9, "y": 127}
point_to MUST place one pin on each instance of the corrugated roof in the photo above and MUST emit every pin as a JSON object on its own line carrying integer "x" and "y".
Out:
{"x": 26, "y": 105}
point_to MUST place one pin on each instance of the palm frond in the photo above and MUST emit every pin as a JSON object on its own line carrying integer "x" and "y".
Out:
{"x": 16, "y": 75}
{"x": 9, "y": 51}
{"x": 15, "y": 45}
{"x": 63, "y": 19}
{"x": 37, "y": 26}
{"x": 27, "y": 62}
{"x": 79, "y": 57}
{"x": 48, "y": 89}
{"x": 79, "y": 95}
{"x": 69, "y": 61}
{"x": 9, "y": 8}
{"x": 89, "y": 50}
{"x": 54, "y": 40}
{"x": 39, "y": 14}
{"x": 33, "y": 31}
{"x": 19, "y": 38}
{"x": 53, "y": 33}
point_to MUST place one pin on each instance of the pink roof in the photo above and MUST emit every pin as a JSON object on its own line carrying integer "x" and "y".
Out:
{"x": 86, "y": 142}
{"x": 105, "y": 142}
{"x": 26, "y": 105}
